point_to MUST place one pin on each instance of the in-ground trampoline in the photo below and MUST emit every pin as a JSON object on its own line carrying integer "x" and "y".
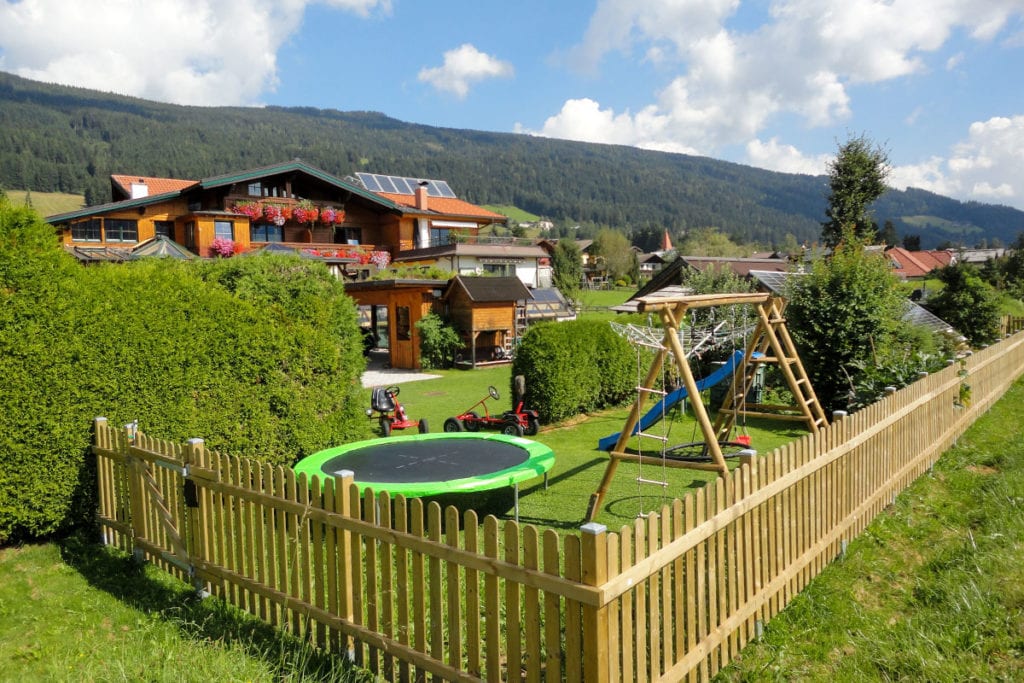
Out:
{"x": 435, "y": 464}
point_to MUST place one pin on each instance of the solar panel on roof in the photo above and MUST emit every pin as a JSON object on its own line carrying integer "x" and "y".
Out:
{"x": 376, "y": 182}
{"x": 369, "y": 181}
{"x": 442, "y": 189}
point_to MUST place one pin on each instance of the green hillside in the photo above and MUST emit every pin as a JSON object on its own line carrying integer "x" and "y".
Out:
{"x": 515, "y": 213}
{"x": 47, "y": 203}
{"x": 62, "y": 139}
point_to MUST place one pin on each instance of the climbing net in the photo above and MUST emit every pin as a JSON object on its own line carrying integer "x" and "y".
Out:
{"x": 712, "y": 330}
{"x": 709, "y": 331}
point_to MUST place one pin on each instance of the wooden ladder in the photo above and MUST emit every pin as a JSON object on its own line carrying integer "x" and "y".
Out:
{"x": 771, "y": 343}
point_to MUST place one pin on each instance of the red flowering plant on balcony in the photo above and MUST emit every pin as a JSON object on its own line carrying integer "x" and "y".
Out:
{"x": 305, "y": 212}
{"x": 251, "y": 209}
{"x": 354, "y": 254}
{"x": 276, "y": 213}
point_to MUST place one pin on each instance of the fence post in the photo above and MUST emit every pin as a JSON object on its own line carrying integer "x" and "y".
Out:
{"x": 595, "y": 619}
{"x": 748, "y": 459}
{"x": 136, "y": 499}
{"x": 197, "y": 545}
{"x": 107, "y": 500}
{"x": 342, "y": 501}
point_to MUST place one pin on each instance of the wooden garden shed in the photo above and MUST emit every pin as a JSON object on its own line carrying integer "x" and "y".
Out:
{"x": 490, "y": 312}
{"x": 395, "y": 306}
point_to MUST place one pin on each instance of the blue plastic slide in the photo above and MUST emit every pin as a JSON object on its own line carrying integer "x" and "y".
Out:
{"x": 655, "y": 413}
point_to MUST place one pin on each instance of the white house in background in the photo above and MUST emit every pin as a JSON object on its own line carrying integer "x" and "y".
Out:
{"x": 529, "y": 262}
{"x": 650, "y": 264}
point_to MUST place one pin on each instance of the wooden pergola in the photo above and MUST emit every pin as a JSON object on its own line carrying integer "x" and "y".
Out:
{"x": 770, "y": 343}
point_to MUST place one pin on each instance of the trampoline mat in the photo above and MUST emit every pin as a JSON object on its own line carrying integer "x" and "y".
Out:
{"x": 427, "y": 461}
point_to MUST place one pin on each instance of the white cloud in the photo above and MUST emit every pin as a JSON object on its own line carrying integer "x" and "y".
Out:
{"x": 584, "y": 120}
{"x": 202, "y": 52}
{"x": 984, "y": 167}
{"x": 731, "y": 83}
{"x": 463, "y": 66}
{"x": 785, "y": 158}
{"x": 618, "y": 24}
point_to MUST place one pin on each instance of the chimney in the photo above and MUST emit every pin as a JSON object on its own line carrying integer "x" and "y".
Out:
{"x": 421, "y": 196}
{"x": 140, "y": 189}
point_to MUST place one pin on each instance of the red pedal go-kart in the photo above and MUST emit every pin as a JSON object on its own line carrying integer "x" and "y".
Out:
{"x": 392, "y": 414}
{"x": 512, "y": 422}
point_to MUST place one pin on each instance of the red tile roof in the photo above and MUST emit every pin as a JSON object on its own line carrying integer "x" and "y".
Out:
{"x": 911, "y": 264}
{"x": 155, "y": 185}
{"x": 445, "y": 205}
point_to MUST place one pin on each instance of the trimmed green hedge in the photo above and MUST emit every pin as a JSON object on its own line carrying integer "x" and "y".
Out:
{"x": 260, "y": 356}
{"x": 574, "y": 367}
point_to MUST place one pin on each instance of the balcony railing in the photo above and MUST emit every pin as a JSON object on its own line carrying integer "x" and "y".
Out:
{"x": 327, "y": 250}
{"x": 493, "y": 240}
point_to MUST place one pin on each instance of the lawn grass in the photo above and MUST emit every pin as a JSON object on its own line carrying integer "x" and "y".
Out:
{"x": 933, "y": 590}
{"x": 579, "y": 466}
{"x": 604, "y": 298}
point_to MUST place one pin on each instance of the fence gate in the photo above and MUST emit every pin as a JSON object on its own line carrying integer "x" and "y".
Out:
{"x": 151, "y": 517}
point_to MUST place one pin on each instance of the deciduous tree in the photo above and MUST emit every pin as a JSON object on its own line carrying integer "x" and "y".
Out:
{"x": 968, "y": 303}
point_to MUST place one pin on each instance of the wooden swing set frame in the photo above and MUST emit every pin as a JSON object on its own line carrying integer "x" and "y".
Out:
{"x": 770, "y": 343}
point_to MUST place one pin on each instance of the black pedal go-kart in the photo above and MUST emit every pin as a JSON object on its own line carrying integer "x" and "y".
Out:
{"x": 391, "y": 414}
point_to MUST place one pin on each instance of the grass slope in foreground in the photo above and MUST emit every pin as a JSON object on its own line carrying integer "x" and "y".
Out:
{"x": 934, "y": 588}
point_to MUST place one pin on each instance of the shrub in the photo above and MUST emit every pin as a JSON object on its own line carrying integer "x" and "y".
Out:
{"x": 844, "y": 316}
{"x": 259, "y": 356}
{"x": 968, "y": 303}
{"x": 574, "y": 366}
{"x": 438, "y": 342}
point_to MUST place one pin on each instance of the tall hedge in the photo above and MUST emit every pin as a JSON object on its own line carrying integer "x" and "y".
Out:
{"x": 260, "y": 356}
{"x": 574, "y": 366}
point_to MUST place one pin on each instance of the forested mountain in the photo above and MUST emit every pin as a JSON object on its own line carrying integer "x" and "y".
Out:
{"x": 57, "y": 138}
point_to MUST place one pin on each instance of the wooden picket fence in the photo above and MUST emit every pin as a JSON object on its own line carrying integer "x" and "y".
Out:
{"x": 1011, "y": 324}
{"x": 412, "y": 592}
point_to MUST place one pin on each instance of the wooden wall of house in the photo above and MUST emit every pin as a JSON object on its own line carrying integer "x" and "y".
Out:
{"x": 471, "y": 316}
{"x": 146, "y": 218}
{"x": 405, "y": 352}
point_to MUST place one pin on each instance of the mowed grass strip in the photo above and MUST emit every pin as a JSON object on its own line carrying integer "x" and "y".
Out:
{"x": 934, "y": 588}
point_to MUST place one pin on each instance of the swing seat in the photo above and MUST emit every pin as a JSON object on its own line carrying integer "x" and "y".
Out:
{"x": 743, "y": 439}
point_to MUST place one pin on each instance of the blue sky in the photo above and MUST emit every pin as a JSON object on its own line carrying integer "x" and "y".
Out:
{"x": 774, "y": 84}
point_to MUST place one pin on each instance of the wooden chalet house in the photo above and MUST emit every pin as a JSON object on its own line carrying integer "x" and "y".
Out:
{"x": 284, "y": 206}
{"x": 289, "y": 206}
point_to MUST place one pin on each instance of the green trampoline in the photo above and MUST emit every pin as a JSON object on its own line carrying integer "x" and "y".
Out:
{"x": 434, "y": 464}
